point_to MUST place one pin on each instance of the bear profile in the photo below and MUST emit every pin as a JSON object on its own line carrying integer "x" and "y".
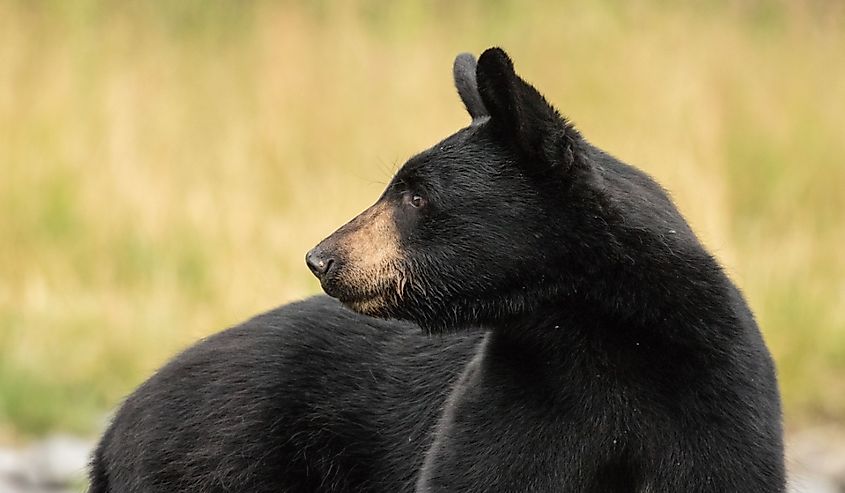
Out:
{"x": 518, "y": 311}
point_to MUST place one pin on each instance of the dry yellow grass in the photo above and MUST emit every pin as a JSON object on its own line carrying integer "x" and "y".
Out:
{"x": 165, "y": 165}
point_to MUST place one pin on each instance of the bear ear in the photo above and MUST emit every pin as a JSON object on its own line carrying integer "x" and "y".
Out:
{"x": 464, "y": 73}
{"x": 522, "y": 117}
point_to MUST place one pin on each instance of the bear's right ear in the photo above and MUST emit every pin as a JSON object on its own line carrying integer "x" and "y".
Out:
{"x": 464, "y": 73}
{"x": 522, "y": 116}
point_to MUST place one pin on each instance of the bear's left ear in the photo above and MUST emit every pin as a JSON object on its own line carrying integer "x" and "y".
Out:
{"x": 523, "y": 117}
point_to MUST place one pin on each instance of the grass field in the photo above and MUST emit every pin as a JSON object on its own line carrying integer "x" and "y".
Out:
{"x": 165, "y": 165}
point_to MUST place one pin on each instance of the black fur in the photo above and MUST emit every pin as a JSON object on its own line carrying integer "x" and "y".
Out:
{"x": 616, "y": 356}
{"x": 307, "y": 397}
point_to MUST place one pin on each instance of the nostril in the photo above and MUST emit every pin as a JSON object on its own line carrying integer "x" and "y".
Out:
{"x": 328, "y": 266}
{"x": 313, "y": 262}
{"x": 318, "y": 263}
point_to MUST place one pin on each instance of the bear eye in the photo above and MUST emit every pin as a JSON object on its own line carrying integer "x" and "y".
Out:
{"x": 414, "y": 200}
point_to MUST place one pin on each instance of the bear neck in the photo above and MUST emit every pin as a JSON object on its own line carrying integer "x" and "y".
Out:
{"x": 673, "y": 293}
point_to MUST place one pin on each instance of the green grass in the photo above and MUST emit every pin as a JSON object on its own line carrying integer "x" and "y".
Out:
{"x": 165, "y": 165}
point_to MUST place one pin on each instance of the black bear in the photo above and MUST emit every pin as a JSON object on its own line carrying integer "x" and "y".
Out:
{"x": 519, "y": 311}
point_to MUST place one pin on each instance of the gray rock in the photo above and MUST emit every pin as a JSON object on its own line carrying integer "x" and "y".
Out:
{"x": 804, "y": 483}
{"x": 54, "y": 465}
{"x": 59, "y": 460}
{"x": 816, "y": 460}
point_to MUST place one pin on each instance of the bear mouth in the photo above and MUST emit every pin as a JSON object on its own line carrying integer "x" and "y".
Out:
{"x": 373, "y": 305}
{"x": 372, "y": 296}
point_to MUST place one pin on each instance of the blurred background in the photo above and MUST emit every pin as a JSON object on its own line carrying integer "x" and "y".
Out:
{"x": 164, "y": 166}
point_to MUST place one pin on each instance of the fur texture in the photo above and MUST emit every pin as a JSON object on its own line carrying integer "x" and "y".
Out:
{"x": 615, "y": 356}
{"x": 307, "y": 397}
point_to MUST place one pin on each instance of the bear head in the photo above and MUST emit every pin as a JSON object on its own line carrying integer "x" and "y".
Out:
{"x": 503, "y": 217}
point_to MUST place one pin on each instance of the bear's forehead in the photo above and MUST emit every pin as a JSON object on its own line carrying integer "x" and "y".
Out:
{"x": 463, "y": 165}
{"x": 466, "y": 145}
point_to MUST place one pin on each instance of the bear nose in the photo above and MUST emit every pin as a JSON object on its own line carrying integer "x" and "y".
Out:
{"x": 318, "y": 262}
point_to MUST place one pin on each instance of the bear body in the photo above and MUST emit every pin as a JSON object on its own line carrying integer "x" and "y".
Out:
{"x": 307, "y": 397}
{"x": 519, "y": 311}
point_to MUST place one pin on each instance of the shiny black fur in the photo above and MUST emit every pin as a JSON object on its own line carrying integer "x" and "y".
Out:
{"x": 307, "y": 397}
{"x": 617, "y": 355}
